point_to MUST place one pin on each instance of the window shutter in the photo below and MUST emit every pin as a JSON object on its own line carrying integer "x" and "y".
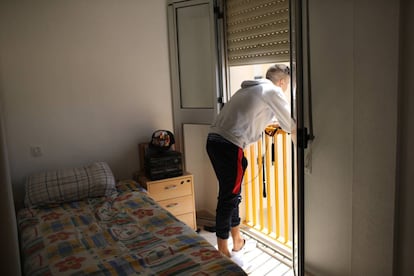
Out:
{"x": 257, "y": 31}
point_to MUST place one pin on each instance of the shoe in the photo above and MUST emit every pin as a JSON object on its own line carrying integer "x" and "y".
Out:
{"x": 236, "y": 258}
{"x": 248, "y": 246}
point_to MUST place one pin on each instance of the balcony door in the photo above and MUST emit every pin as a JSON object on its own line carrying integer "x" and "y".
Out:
{"x": 195, "y": 66}
{"x": 199, "y": 60}
{"x": 196, "y": 77}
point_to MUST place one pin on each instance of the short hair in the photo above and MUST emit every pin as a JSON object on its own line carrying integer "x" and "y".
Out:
{"x": 277, "y": 72}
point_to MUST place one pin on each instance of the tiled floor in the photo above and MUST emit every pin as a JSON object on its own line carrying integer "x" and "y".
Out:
{"x": 259, "y": 262}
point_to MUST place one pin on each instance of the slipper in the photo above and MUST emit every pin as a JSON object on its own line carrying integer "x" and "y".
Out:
{"x": 236, "y": 258}
{"x": 248, "y": 246}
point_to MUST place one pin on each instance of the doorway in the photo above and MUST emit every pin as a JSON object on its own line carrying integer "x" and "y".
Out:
{"x": 233, "y": 43}
{"x": 266, "y": 208}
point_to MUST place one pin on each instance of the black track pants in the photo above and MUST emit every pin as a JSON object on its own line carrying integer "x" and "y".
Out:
{"x": 229, "y": 165}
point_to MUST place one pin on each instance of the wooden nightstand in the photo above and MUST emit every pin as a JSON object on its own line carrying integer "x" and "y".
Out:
{"x": 175, "y": 194}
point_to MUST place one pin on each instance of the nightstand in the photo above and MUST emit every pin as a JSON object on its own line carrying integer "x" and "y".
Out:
{"x": 175, "y": 194}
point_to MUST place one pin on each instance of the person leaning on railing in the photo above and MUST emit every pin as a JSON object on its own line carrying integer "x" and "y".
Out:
{"x": 241, "y": 122}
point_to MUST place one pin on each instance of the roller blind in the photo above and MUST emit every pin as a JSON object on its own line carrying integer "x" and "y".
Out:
{"x": 257, "y": 31}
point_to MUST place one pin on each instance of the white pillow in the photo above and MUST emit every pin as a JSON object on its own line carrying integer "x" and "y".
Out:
{"x": 54, "y": 187}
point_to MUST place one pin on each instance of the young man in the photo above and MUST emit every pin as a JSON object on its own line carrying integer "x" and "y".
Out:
{"x": 240, "y": 123}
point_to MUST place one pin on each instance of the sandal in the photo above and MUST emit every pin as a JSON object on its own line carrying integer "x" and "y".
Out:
{"x": 248, "y": 246}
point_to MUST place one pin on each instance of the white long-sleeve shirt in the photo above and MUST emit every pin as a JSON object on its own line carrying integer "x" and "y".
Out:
{"x": 250, "y": 110}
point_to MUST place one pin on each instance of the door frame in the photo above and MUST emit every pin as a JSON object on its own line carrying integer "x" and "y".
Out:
{"x": 220, "y": 73}
{"x": 299, "y": 136}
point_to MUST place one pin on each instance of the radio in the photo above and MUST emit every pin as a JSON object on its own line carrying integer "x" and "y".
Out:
{"x": 159, "y": 165}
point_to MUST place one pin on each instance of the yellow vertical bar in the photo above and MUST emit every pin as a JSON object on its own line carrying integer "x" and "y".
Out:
{"x": 246, "y": 191}
{"x": 268, "y": 191}
{"x": 277, "y": 201}
{"x": 285, "y": 189}
{"x": 253, "y": 176}
{"x": 260, "y": 164}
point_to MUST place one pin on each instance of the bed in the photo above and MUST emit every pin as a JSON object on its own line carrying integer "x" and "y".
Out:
{"x": 121, "y": 232}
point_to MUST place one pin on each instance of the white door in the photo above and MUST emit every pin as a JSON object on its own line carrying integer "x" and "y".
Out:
{"x": 194, "y": 35}
{"x": 195, "y": 67}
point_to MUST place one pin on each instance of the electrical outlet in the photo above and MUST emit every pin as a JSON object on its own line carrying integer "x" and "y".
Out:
{"x": 36, "y": 151}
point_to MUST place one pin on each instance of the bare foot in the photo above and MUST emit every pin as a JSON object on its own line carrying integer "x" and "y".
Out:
{"x": 237, "y": 245}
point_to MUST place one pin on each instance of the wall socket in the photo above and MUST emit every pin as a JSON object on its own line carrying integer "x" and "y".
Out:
{"x": 36, "y": 151}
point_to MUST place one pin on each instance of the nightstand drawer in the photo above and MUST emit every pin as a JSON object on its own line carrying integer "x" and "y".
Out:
{"x": 175, "y": 194}
{"x": 172, "y": 188}
{"x": 178, "y": 205}
{"x": 188, "y": 219}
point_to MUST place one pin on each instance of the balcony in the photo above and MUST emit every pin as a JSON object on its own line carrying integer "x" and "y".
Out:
{"x": 266, "y": 209}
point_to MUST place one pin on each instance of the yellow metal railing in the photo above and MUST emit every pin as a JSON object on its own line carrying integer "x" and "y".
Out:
{"x": 267, "y": 188}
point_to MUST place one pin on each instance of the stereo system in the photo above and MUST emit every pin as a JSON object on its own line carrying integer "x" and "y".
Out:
{"x": 159, "y": 165}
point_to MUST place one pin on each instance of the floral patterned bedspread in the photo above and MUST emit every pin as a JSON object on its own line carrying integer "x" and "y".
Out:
{"x": 127, "y": 234}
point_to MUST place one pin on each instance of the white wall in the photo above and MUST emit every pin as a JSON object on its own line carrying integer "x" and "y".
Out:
{"x": 350, "y": 194}
{"x": 375, "y": 136}
{"x": 405, "y": 226}
{"x": 84, "y": 80}
{"x": 328, "y": 189}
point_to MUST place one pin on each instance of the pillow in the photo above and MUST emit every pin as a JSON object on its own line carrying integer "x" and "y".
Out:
{"x": 54, "y": 187}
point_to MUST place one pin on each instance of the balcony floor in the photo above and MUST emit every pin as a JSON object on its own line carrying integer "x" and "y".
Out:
{"x": 261, "y": 261}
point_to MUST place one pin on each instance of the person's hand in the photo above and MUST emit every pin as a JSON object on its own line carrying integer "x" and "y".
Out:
{"x": 272, "y": 129}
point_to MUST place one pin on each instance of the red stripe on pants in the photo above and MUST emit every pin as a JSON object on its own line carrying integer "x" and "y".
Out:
{"x": 239, "y": 176}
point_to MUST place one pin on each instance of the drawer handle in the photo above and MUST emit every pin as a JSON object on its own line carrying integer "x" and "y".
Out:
{"x": 171, "y": 187}
{"x": 172, "y": 205}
